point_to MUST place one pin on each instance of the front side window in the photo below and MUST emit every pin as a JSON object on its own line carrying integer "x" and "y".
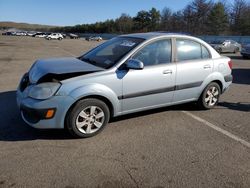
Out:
{"x": 110, "y": 52}
{"x": 190, "y": 50}
{"x": 155, "y": 53}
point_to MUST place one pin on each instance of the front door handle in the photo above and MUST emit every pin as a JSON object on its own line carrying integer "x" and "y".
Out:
{"x": 206, "y": 66}
{"x": 167, "y": 72}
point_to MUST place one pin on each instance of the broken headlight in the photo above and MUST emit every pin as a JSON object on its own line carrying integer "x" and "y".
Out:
{"x": 44, "y": 90}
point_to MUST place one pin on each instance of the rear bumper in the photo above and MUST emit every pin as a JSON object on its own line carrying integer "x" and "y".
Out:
{"x": 228, "y": 78}
{"x": 228, "y": 81}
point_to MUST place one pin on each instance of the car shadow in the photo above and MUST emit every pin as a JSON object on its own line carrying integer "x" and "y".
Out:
{"x": 181, "y": 107}
{"x": 12, "y": 127}
{"x": 241, "y": 76}
{"x": 244, "y": 107}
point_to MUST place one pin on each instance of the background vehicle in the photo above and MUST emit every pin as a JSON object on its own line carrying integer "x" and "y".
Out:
{"x": 55, "y": 36}
{"x": 245, "y": 51}
{"x": 227, "y": 46}
{"x": 7, "y": 33}
{"x": 21, "y": 33}
{"x": 73, "y": 36}
{"x": 95, "y": 38}
{"x": 40, "y": 35}
{"x": 126, "y": 74}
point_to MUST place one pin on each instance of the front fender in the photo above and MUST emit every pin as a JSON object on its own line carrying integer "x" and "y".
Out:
{"x": 99, "y": 90}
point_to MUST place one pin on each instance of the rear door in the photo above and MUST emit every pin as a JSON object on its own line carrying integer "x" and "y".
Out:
{"x": 193, "y": 66}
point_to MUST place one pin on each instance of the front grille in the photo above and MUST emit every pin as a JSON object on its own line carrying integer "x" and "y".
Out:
{"x": 24, "y": 82}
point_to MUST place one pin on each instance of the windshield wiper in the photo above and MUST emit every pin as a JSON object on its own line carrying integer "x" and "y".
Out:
{"x": 92, "y": 62}
{"x": 89, "y": 60}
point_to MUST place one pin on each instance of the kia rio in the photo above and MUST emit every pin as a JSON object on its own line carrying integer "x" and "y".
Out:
{"x": 126, "y": 74}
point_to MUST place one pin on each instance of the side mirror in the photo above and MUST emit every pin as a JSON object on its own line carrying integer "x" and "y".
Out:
{"x": 134, "y": 64}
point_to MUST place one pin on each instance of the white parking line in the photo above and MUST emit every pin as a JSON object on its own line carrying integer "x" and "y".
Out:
{"x": 230, "y": 135}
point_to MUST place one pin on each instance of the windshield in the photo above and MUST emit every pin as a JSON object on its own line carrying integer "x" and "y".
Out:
{"x": 110, "y": 52}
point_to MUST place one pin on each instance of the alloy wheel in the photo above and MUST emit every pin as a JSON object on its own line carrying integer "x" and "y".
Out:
{"x": 90, "y": 119}
{"x": 212, "y": 96}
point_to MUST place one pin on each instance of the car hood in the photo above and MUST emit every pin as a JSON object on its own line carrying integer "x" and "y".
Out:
{"x": 60, "y": 66}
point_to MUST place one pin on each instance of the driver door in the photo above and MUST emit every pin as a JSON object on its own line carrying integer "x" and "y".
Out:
{"x": 152, "y": 86}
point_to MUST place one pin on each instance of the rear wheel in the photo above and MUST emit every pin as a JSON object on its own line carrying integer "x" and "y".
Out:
{"x": 87, "y": 118}
{"x": 236, "y": 50}
{"x": 210, "y": 96}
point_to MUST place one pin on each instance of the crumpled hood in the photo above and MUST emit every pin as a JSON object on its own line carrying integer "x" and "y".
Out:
{"x": 59, "y": 66}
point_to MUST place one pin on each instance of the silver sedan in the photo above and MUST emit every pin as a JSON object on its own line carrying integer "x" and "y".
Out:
{"x": 227, "y": 46}
{"x": 126, "y": 74}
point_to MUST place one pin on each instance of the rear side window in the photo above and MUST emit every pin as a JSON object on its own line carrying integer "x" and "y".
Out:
{"x": 190, "y": 50}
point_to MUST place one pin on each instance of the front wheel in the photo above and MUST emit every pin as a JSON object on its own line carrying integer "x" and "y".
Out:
{"x": 87, "y": 118}
{"x": 210, "y": 96}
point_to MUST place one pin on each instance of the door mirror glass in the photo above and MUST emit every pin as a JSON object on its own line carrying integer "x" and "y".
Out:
{"x": 134, "y": 64}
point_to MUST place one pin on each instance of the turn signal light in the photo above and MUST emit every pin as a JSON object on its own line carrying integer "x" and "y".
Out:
{"x": 50, "y": 113}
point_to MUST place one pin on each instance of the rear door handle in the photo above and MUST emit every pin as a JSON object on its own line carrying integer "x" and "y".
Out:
{"x": 167, "y": 72}
{"x": 206, "y": 66}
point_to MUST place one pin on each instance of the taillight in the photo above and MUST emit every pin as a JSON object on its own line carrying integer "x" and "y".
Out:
{"x": 230, "y": 64}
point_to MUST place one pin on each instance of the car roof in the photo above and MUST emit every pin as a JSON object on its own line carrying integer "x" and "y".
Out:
{"x": 150, "y": 35}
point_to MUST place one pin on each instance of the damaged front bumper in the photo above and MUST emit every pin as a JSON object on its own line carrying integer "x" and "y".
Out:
{"x": 43, "y": 114}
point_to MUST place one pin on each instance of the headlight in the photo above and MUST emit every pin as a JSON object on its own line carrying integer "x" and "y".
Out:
{"x": 44, "y": 90}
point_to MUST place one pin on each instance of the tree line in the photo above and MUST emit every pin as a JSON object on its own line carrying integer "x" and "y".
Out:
{"x": 199, "y": 17}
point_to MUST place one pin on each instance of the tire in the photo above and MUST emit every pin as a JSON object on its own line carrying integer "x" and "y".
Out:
{"x": 82, "y": 120}
{"x": 236, "y": 50}
{"x": 49, "y": 38}
{"x": 210, "y": 96}
{"x": 59, "y": 38}
{"x": 219, "y": 50}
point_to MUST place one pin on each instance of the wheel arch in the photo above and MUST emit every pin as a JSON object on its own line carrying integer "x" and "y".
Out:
{"x": 206, "y": 83}
{"x": 99, "y": 97}
{"x": 219, "y": 83}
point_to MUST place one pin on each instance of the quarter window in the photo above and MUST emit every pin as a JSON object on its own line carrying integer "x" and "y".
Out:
{"x": 155, "y": 53}
{"x": 205, "y": 53}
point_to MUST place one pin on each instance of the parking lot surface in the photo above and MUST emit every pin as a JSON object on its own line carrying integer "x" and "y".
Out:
{"x": 177, "y": 146}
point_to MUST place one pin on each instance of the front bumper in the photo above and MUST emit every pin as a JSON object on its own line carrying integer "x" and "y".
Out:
{"x": 33, "y": 111}
{"x": 35, "y": 115}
